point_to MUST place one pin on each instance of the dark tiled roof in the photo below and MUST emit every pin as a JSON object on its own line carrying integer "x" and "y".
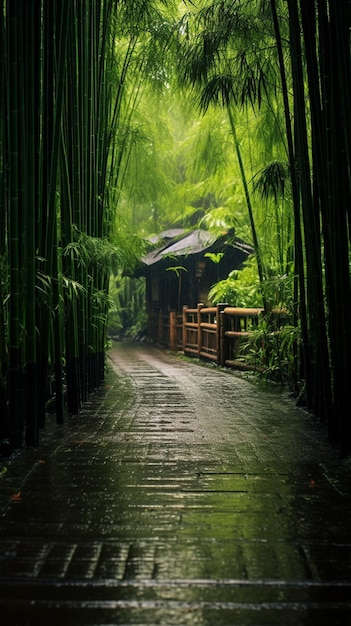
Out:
{"x": 191, "y": 243}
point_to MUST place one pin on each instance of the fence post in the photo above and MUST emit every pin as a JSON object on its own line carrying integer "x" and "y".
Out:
{"x": 199, "y": 334}
{"x": 219, "y": 321}
{"x": 223, "y": 340}
{"x": 173, "y": 331}
{"x": 185, "y": 307}
{"x": 160, "y": 327}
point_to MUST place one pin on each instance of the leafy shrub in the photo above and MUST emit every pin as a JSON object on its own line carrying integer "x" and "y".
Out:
{"x": 272, "y": 351}
{"x": 241, "y": 288}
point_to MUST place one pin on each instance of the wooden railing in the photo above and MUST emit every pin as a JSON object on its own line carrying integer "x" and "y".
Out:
{"x": 201, "y": 331}
{"x": 211, "y": 333}
{"x": 235, "y": 323}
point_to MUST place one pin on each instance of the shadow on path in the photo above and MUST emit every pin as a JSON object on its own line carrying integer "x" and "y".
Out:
{"x": 182, "y": 495}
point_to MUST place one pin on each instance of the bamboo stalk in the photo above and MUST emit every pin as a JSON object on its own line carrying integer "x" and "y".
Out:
{"x": 299, "y": 286}
{"x": 14, "y": 325}
{"x": 31, "y": 48}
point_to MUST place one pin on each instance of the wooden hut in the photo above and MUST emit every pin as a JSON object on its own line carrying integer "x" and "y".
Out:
{"x": 183, "y": 265}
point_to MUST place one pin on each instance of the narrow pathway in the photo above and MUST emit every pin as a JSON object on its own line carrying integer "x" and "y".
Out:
{"x": 183, "y": 495}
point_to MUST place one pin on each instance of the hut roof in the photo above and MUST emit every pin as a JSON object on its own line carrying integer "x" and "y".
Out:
{"x": 182, "y": 243}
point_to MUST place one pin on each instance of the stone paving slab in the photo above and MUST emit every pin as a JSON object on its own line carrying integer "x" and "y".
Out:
{"x": 181, "y": 495}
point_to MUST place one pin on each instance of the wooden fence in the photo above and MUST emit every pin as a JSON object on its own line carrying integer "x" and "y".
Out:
{"x": 211, "y": 333}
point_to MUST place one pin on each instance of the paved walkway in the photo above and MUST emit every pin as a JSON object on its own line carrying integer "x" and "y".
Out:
{"x": 182, "y": 495}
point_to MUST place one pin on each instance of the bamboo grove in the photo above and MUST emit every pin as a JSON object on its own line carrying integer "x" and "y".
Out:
{"x": 62, "y": 91}
{"x": 290, "y": 60}
{"x": 324, "y": 186}
{"x": 73, "y": 73}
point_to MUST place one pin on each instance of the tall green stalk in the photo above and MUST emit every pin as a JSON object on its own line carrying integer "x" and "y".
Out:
{"x": 299, "y": 286}
{"x": 256, "y": 244}
{"x": 322, "y": 397}
{"x": 4, "y": 273}
{"x": 57, "y": 17}
{"x": 14, "y": 243}
{"x": 334, "y": 179}
{"x": 31, "y": 48}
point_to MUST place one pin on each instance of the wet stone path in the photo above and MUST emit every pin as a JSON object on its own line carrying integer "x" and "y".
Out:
{"x": 182, "y": 495}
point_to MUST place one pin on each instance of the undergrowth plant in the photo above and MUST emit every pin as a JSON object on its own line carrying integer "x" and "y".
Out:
{"x": 241, "y": 288}
{"x": 272, "y": 350}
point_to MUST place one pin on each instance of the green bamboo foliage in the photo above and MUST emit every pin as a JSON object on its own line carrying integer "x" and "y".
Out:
{"x": 317, "y": 138}
{"x": 103, "y": 75}
{"x": 85, "y": 127}
{"x": 317, "y": 350}
{"x": 72, "y": 75}
{"x": 54, "y": 29}
{"x": 257, "y": 247}
{"x": 63, "y": 89}
{"x": 325, "y": 203}
{"x": 300, "y": 312}
{"x": 326, "y": 39}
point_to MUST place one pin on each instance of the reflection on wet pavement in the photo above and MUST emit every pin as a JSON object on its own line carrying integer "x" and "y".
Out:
{"x": 183, "y": 495}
